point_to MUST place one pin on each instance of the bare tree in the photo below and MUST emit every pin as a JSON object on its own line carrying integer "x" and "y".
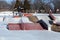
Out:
{"x": 4, "y": 5}
{"x": 26, "y": 5}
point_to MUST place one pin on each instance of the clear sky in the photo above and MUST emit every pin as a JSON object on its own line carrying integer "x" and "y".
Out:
{"x": 8, "y": 1}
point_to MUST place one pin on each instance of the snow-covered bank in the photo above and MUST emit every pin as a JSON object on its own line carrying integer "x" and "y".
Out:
{"x": 6, "y": 13}
{"x": 10, "y": 13}
{"x": 29, "y": 35}
{"x": 7, "y": 17}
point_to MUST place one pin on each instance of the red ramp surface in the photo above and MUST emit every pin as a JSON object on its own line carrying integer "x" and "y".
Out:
{"x": 13, "y": 26}
{"x": 31, "y": 26}
{"x": 25, "y": 26}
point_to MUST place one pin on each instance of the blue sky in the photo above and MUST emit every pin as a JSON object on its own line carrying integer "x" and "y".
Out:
{"x": 46, "y": 1}
{"x": 8, "y": 1}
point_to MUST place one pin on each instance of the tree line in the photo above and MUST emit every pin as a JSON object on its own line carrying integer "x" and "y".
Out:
{"x": 30, "y": 5}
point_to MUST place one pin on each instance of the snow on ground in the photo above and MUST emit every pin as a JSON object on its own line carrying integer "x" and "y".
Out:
{"x": 6, "y": 13}
{"x": 25, "y": 35}
{"x": 29, "y": 35}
